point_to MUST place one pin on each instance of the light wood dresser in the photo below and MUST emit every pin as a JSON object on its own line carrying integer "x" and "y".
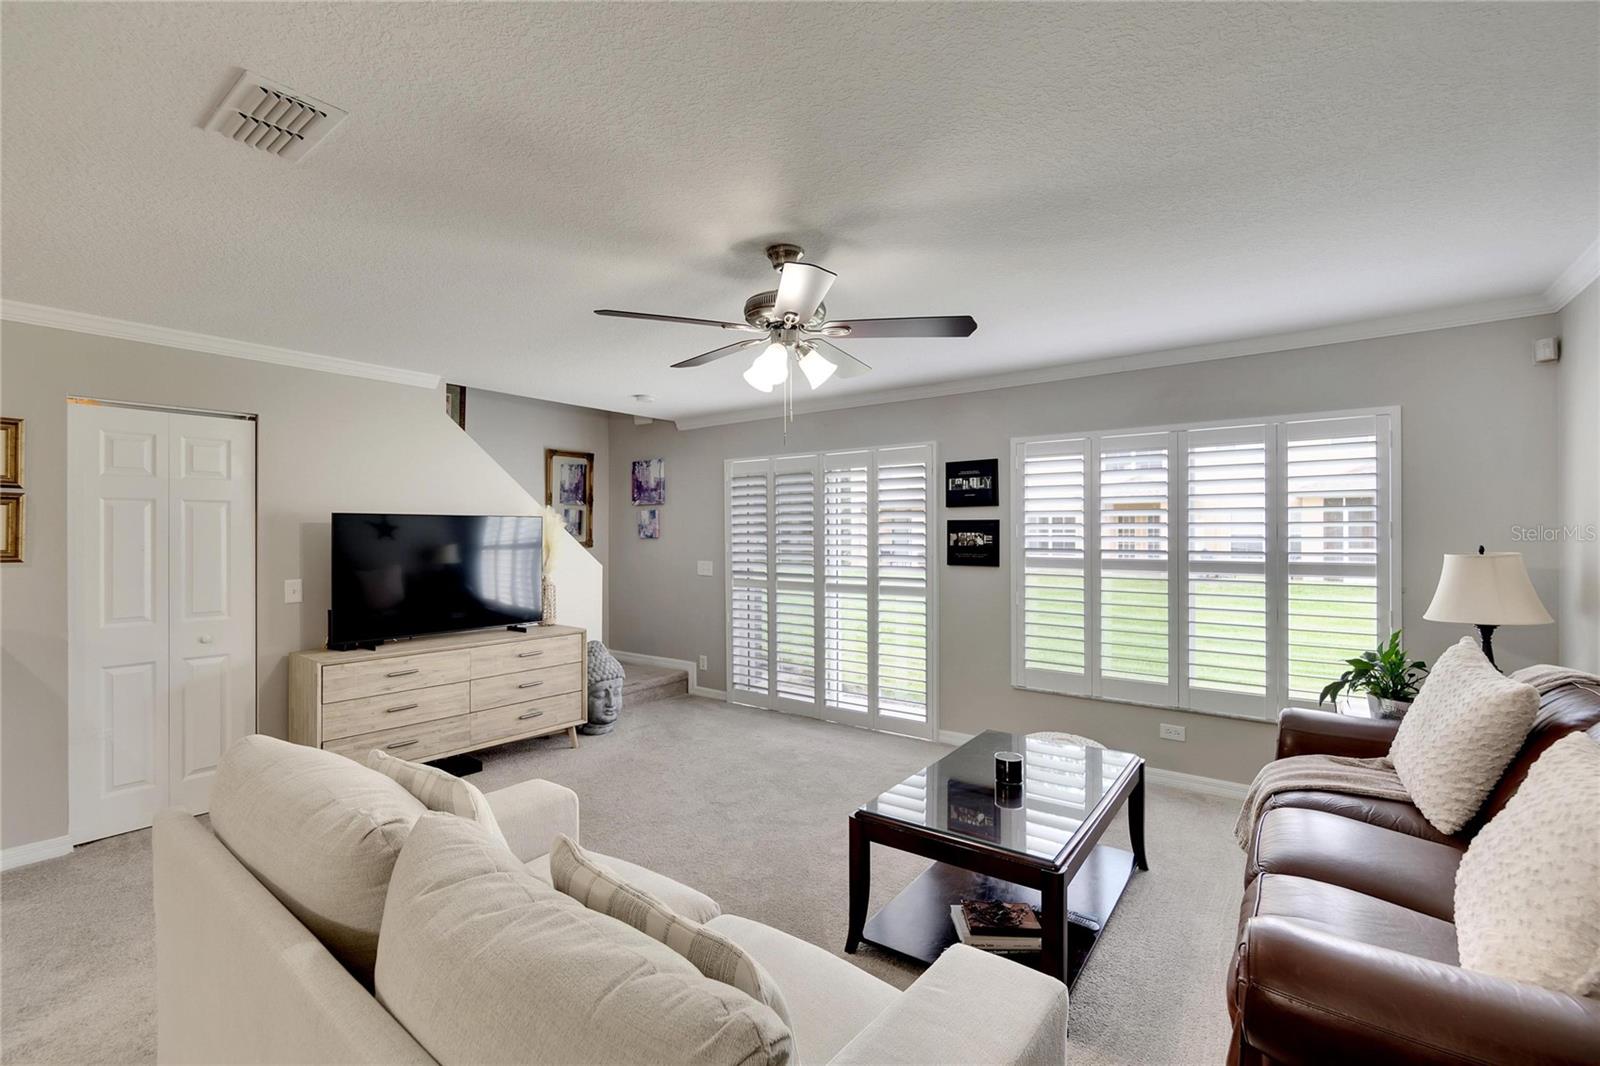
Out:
{"x": 436, "y": 696}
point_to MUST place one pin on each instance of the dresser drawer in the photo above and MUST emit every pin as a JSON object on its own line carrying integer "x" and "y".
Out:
{"x": 391, "y": 711}
{"x": 490, "y": 692}
{"x": 521, "y": 718}
{"x": 520, "y": 655}
{"x": 348, "y": 681}
{"x": 417, "y": 742}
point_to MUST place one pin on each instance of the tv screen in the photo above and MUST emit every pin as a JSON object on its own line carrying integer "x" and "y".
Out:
{"x": 405, "y": 575}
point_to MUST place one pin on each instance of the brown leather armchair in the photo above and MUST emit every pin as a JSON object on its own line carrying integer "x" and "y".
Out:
{"x": 1347, "y": 946}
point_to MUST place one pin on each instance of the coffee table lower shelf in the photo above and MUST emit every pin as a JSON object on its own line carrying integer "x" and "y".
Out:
{"x": 916, "y": 923}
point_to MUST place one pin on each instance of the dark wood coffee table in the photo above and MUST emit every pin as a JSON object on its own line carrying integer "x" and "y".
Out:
{"x": 1038, "y": 844}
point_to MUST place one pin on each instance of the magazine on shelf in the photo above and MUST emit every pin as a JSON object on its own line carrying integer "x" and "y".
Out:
{"x": 997, "y": 943}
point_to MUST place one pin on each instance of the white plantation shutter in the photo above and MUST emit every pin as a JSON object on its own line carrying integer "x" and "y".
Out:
{"x": 1052, "y": 554}
{"x": 1337, "y": 531}
{"x": 749, "y": 578}
{"x": 846, "y": 554}
{"x": 1226, "y": 573}
{"x": 902, "y": 585}
{"x": 1134, "y": 554}
{"x": 794, "y": 493}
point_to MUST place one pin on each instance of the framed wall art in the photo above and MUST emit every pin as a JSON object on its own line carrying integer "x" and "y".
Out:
{"x": 650, "y": 523}
{"x": 11, "y": 453}
{"x": 649, "y": 482}
{"x": 569, "y": 491}
{"x": 15, "y": 534}
{"x": 972, "y": 483}
{"x": 972, "y": 543}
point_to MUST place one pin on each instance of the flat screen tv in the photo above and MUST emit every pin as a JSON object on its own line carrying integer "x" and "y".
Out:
{"x": 408, "y": 575}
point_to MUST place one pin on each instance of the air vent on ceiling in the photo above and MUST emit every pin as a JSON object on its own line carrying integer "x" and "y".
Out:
{"x": 273, "y": 117}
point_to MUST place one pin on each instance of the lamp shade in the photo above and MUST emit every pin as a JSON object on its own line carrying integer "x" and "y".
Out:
{"x": 1487, "y": 589}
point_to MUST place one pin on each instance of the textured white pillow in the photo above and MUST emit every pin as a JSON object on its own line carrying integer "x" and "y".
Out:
{"x": 320, "y": 831}
{"x": 572, "y": 871}
{"x": 437, "y": 790}
{"x": 1458, "y": 737}
{"x": 1528, "y": 888}
{"x": 482, "y": 962}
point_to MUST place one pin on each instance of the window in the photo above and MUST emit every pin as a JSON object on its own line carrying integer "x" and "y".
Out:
{"x": 830, "y": 555}
{"x": 1227, "y": 568}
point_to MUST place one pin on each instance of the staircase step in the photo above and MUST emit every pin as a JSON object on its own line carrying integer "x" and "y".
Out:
{"x": 646, "y": 682}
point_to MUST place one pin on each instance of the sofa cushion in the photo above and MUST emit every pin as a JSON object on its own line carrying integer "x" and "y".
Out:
{"x": 1468, "y": 721}
{"x": 1349, "y": 914}
{"x": 830, "y": 1001}
{"x": 320, "y": 831}
{"x": 1528, "y": 891}
{"x": 1386, "y": 814}
{"x": 680, "y": 897}
{"x": 597, "y": 887}
{"x": 437, "y": 790}
{"x": 1402, "y": 869}
{"x": 483, "y": 962}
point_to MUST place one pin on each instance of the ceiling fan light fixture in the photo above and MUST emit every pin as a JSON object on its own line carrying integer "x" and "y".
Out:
{"x": 817, "y": 367}
{"x": 770, "y": 369}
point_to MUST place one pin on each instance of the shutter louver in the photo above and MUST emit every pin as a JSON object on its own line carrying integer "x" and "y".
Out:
{"x": 1134, "y": 562}
{"x": 845, "y": 551}
{"x": 902, "y": 583}
{"x": 795, "y": 566}
{"x": 1226, "y": 552}
{"x": 749, "y": 527}
{"x": 1053, "y": 556}
{"x": 1335, "y": 510}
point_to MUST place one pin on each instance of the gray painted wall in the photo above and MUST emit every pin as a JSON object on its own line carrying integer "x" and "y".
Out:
{"x": 1578, "y": 608}
{"x": 1478, "y": 445}
{"x": 515, "y": 431}
{"x": 325, "y": 443}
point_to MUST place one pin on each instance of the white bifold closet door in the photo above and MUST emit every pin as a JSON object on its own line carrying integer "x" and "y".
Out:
{"x": 161, "y": 609}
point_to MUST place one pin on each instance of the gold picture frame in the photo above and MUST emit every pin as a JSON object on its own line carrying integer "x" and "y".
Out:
{"x": 11, "y": 453}
{"x": 16, "y": 524}
{"x": 569, "y": 491}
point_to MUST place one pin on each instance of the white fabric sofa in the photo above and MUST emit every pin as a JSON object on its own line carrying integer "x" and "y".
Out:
{"x": 241, "y": 978}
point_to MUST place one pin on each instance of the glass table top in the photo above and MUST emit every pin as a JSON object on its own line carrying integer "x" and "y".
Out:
{"x": 1062, "y": 781}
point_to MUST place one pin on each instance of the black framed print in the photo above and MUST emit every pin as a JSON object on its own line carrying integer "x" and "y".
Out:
{"x": 972, "y": 542}
{"x": 972, "y": 483}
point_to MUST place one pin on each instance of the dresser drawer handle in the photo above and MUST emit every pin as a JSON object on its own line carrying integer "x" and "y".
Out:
{"x": 530, "y": 684}
{"x": 399, "y": 744}
{"x": 404, "y": 673}
{"x": 529, "y": 714}
{"x": 402, "y": 707}
{"x": 529, "y": 654}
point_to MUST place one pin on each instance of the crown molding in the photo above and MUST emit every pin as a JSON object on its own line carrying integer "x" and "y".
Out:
{"x": 1367, "y": 329}
{"x": 100, "y": 325}
{"x": 1575, "y": 278}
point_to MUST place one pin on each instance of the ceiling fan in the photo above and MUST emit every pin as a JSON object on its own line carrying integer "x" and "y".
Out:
{"x": 794, "y": 328}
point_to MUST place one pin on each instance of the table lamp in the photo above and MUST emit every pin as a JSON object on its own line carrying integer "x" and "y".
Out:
{"x": 1486, "y": 590}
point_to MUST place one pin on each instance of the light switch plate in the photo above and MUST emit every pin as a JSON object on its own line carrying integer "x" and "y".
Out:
{"x": 1172, "y": 732}
{"x": 291, "y": 590}
{"x": 704, "y": 568}
{"x": 703, "y": 665}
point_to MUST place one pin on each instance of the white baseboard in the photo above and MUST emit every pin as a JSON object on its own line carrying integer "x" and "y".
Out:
{"x": 1208, "y": 786}
{"x": 676, "y": 664}
{"x": 38, "y": 851}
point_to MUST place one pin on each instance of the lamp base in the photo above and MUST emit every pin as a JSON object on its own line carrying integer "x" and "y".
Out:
{"x": 1486, "y": 638}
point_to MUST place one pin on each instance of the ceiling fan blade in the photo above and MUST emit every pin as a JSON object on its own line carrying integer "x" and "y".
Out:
{"x": 849, "y": 366}
{"x": 938, "y": 326}
{"x": 720, "y": 353}
{"x": 801, "y": 288}
{"x": 745, "y": 326}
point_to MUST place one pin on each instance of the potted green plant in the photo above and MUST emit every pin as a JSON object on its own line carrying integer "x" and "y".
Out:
{"x": 1388, "y": 676}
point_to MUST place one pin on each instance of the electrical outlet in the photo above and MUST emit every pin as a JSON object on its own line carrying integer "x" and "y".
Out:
{"x": 1171, "y": 732}
{"x": 703, "y": 568}
{"x": 291, "y": 590}
{"x": 703, "y": 664}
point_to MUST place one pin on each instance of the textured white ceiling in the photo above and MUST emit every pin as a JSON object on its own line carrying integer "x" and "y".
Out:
{"x": 1084, "y": 179}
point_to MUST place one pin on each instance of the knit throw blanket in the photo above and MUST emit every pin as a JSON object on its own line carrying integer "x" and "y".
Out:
{"x": 1327, "y": 773}
{"x": 1547, "y": 678}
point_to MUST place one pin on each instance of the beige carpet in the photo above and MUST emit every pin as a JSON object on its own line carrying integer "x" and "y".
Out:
{"x": 750, "y": 807}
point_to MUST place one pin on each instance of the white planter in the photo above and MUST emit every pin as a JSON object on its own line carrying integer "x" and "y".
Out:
{"x": 1387, "y": 708}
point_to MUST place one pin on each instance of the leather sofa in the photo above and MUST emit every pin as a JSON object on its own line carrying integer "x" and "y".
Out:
{"x": 1347, "y": 948}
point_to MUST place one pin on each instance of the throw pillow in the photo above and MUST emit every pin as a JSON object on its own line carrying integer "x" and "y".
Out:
{"x": 596, "y": 887}
{"x": 1528, "y": 888}
{"x": 437, "y": 790}
{"x": 1463, "y": 730}
{"x": 482, "y": 962}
